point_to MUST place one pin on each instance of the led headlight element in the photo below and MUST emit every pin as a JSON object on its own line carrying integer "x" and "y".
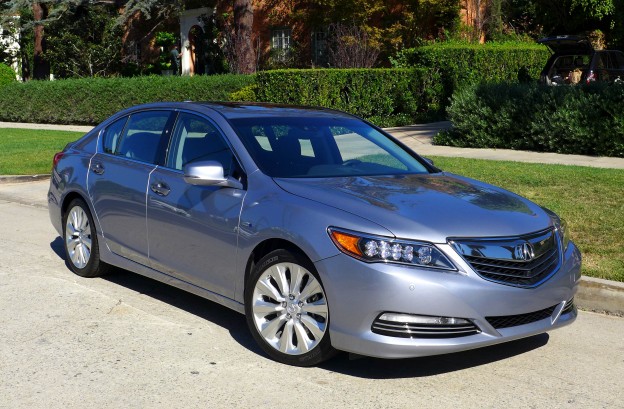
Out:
{"x": 373, "y": 249}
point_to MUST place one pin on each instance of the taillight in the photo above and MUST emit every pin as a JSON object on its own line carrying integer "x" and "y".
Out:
{"x": 591, "y": 77}
{"x": 57, "y": 158}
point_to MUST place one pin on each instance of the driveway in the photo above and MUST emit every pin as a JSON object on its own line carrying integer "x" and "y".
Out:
{"x": 125, "y": 341}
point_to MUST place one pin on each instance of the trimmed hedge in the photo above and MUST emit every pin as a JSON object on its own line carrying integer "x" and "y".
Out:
{"x": 462, "y": 64}
{"x": 7, "y": 75}
{"x": 386, "y": 97}
{"x": 89, "y": 101}
{"x": 587, "y": 120}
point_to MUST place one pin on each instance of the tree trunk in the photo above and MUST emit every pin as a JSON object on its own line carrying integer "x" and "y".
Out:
{"x": 41, "y": 68}
{"x": 243, "y": 22}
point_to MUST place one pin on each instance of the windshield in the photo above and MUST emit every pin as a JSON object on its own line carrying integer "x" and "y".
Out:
{"x": 316, "y": 147}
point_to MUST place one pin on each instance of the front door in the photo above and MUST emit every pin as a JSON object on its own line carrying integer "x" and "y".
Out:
{"x": 193, "y": 230}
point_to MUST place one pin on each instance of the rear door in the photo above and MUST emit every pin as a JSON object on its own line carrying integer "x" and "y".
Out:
{"x": 193, "y": 230}
{"x": 130, "y": 149}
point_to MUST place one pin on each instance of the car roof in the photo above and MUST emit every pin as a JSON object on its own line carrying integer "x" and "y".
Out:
{"x": 568, "y": 44}
{"x": 233, "y": 110}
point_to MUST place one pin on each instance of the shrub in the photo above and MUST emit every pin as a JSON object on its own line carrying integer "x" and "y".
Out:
{"x": 89, "y": 101}
{"x": 387, "y": 97}
{"x": 586, "y": 120}
{"x": 247, "y": 93}
{"x": 463, "y": 64}
{"x": 7, "y": 75}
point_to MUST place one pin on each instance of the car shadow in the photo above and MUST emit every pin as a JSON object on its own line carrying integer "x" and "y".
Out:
{"x": 347, "y": 364}
{"x": 376, "y": 368}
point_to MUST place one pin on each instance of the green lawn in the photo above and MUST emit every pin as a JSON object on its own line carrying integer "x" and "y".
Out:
{"x": 30, "y": 152}
{"x": 590, "y": 199}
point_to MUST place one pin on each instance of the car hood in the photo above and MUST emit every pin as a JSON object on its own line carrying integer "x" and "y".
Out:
{"x": 430, "y": 207}
{"x": 567, "y": 44}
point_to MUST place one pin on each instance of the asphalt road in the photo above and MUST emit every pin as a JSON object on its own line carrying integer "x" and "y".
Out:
{"x": 129, "y": 342}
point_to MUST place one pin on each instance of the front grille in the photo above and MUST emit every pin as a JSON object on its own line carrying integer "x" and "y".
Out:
{"x": 409, "y": 330}
{"x": 494, "y": 259}
{"x": 520, "y": 319}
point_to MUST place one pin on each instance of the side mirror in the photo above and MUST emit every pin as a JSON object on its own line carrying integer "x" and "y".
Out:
{"x": 428, "y": 160}
{"x": 209, "y": 173}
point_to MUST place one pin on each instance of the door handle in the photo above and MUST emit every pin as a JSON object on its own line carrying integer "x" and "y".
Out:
{"x": 97, "y": 168}
{"x": 160, "y": 188}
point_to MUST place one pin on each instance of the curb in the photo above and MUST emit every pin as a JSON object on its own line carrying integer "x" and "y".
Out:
{"x": 23, "y": 178}
{"x": 596, "y": 294}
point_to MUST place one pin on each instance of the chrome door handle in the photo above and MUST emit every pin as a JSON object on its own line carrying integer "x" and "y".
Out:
{"x": 160, "y": 189}
{"x": 97, "y": 168}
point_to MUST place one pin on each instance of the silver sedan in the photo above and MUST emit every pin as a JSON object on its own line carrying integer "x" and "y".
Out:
{"x": 327, "y": 233}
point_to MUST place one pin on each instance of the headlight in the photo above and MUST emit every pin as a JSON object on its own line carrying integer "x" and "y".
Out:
{"x": 561, "y": 226}
{"x": 379, "y": 249}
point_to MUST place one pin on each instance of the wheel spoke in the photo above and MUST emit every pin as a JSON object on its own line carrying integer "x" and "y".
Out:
{"x": 270, "y": 330}
{"x": 285, "y": 342}
{"x": 265, "y": 287}
{"x": 264, "y": 308}
{"x": 303, "y": 341}
{"x": 314, "y": 326}
{"x": 317, "y": 307}
{"x": 87, "y": 243}
{"x": 278, "y": 272}
{"x": 312, "y": 287}
{"x": 296, "y": 275}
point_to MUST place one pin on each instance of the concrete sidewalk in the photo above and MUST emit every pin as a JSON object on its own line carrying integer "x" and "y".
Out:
{"x": 419, "y": 138}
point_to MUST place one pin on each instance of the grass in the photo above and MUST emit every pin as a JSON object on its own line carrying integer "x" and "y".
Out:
{"x": 590, "y": 199}
{"x": 30, "y": 151}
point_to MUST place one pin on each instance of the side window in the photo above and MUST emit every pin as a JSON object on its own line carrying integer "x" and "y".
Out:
{"x": 141, "y": 137}
{"x": 110, "y": 139}
{"x": 196, "y": 139}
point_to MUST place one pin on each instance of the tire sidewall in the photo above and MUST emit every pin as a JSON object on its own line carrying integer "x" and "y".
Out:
{"x": 320, "y": 352}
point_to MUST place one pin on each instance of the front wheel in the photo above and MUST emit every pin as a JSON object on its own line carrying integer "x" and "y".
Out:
{"x": 287, "y": 310}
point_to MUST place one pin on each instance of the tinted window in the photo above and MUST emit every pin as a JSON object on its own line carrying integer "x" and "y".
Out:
{"x": 619, "y": 60}
{"x": 112, "y": 135}
{"x": 322, "y": 147}
{"x": 196, "y": 139}
{"x": 141, "y": 137}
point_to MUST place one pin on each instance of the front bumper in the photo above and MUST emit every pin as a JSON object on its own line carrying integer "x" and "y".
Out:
{"x": 357, "y": 293}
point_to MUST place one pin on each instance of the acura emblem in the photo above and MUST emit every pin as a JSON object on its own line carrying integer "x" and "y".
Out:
{"x": 524, "y": 252}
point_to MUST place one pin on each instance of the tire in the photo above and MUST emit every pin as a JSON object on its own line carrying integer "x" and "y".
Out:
{"x": 81, "y": 243}
{"x": 289, "y": 321}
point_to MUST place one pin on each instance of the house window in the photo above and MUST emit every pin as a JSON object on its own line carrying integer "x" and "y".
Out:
{"x": 319, "y": 48}
{"x": 280, "y": 43}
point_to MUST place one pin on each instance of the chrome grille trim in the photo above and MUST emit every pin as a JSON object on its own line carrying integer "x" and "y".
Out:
{"x": 568, "y": 307}
{"x": 493, "y": 258}
{"x": 407, "y": 330}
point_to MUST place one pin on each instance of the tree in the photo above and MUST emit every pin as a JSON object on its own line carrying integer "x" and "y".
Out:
{"x": 243, "y": 22}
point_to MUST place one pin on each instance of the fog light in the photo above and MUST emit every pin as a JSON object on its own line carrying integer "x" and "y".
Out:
{"x": 422, "y": 319}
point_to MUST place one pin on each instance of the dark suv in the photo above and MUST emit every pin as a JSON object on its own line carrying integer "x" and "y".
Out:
{"x": 575, "y": 60}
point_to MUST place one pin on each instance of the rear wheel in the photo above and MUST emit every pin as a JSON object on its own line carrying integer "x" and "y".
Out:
{"x": 81, "y": 245}
{"x": 287, "y": 310}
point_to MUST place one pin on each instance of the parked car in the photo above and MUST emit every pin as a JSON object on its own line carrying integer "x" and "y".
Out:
{"x": 325, "y": 231}
{"x": 575, "y": 60}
